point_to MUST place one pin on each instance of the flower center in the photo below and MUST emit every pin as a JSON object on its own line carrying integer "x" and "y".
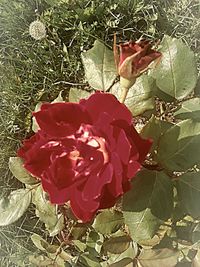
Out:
{"x": 89, "y": 153}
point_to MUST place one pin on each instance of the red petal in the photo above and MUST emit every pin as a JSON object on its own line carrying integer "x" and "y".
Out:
{"x": 132, "y": 168}
{"x": 123, "y": 147}
{"x": 127, "y": 50}
{"x": 95, "y": 183}
{"x": 144, "y": 62}
{"x": 115, "y": 187}
{"x": 36, "y": 159}
{"x": 56, "y": 196}
{"x": 143, "y": 145}
{"x": 107, "y": 199}
{"x": 61, "y": 119}
{"x": 84, "y": 210}
{"x": 105, "y": 102}
{"x": 61, "y": 172}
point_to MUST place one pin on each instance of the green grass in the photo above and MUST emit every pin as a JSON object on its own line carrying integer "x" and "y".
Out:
{"x": 33, "y": 70}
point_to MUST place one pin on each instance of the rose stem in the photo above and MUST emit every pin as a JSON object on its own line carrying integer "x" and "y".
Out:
{"x": 124, "y": 94}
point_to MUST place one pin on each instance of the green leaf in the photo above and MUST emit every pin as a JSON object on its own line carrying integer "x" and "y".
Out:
{"x": 47, "y": 212}
{"x": 94, "y": 242}
{"x": 190, "y": 109}
{"x": 59, "y": 98}
{"x": 124, "y": 258}
{"x": 197, "y": 88}
{"x": 43, "y": 245}
{"x": 76, "y": 94}
{"x": 140, "y": 96}
{"x": 148, "y": 202}
{"x": 117, "y": 245}
{"x": 154, "y": 129}
{"x": 176, "y": 74}
{"x": 18, "y": 170}
{"x": 78, "y": 230}
{"x": 80, "y": 245}
{"x": 122, "y": 263}
{"x": 14, "y": 206}
{"x": 41, "y": 261}
{"x": 188, "y": 190}
{"x": 196, "y": 233}
{"x": 196, "y": 261}
{"x": 20, "y": 259}
{"x": 35, "y": 126}
{"x": 108, "y": 222}
{"x": 157, "y": 258}
{"x": 89, "y": 260}
{"x": 179, "y": 147}
{"x": 99, "y": 64}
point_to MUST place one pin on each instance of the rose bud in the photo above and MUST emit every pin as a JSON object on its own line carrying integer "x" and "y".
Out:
{"x": 134, "y": 59}
{"x": 86, "y": 153}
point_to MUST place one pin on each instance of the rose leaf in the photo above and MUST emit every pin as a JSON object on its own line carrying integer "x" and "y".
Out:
{"x": 188, "y": 192}
{"x": 14, "y": 206}
{"x": 78, "y": 230}
{"x": 76, "y": 94}
{"x": 179, "y": 148}
{"x": 196, "y": 260}
{"x": 140, "y": 95}
{"x": 89, "y": 260}
{"x": 176, "y": 73}
{"x": 35, "y": 126}
{"x": 190, "y": 109}
{"x": 43, "y": 245}
{"x": 99, "y": 65}
{"x": 18, "y": 170}
{"x": 47, "y": 212}
{"x": 123, "y": 259}
{"x": 59, "y": 98}
{"x": 158, "y": 257}
{"x": 108, "y": 222}
{"x": 148, "y": 203}
{"x": 94, "y": 242}
{"x": 117, "y": 244}
{"x": 154, "y": 129}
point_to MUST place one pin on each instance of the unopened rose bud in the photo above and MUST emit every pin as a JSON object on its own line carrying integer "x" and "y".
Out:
{"x": 134, "y": 59}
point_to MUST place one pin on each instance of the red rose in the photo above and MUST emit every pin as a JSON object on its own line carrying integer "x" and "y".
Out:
{"x": 85, "y": 152}
{"x": 135, "y": 57}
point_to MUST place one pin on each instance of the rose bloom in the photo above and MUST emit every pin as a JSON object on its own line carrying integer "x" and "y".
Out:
{"x": 86, "y": 152}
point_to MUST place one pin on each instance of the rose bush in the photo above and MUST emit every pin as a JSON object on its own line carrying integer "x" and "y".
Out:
{"x": 86, "y": 152}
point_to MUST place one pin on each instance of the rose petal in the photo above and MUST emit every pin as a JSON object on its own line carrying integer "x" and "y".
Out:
{"x": 107, "y": 199}
{"x": 105, "y": 102}
{"x": 132, "y": 168}
{"x": 61, "y": 119}
{"x": 115, "y": 187}
{"x": 103, "y": 125}
{"x": 56, "y": 196}
{"x": 36, "y": 160}
{"x": 95, "y": 183}
{"x": 84, "y": 210}
{"x": 123, "y": 147}
{"x": 127, "y": 50}
{"x": 143, "y": 145}
{"x": 144, "y": 62}
{"x": 61, "y": 171}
